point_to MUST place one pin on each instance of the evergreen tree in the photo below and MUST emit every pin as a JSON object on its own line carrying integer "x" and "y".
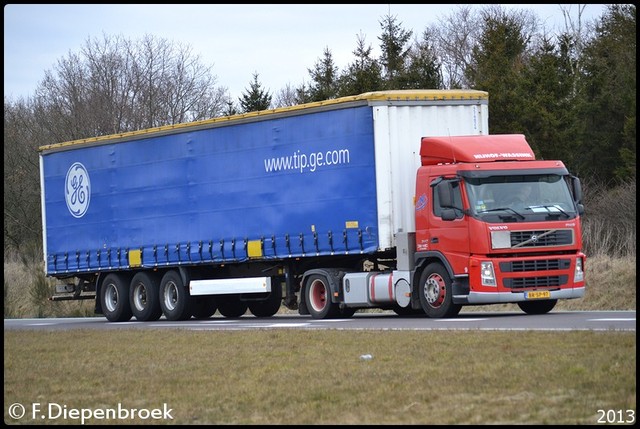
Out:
{"x": 302, "y": 94}
{"x": 362, "y": 75}
{"x": 498, "y": 61}
{"x": 230, "y": 108}
{"x": 607, "y": 108}
{"x": 255, "y": 98}
{"x": 548, "y": 118}
{"x": 422, "y": 70}
{"x": 394, "y": 51}
{"x": 324, "y": 76}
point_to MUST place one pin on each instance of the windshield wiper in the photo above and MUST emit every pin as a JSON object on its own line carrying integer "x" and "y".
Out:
{"x": 550, "y": 209}
{"x": 501, "y": 209}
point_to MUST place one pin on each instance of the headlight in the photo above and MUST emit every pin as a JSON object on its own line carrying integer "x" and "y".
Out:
{"x": 578, "y": 274}
{"x": 487, "y": 274}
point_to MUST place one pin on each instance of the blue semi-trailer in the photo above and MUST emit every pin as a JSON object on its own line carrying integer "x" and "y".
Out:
{"x": 302, "y": 206}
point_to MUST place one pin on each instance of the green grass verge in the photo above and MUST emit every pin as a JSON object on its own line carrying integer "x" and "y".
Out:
{"x": 309, "y": 377}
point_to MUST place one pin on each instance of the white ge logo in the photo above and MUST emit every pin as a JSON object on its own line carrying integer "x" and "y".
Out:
{"x": 77, "y": 190}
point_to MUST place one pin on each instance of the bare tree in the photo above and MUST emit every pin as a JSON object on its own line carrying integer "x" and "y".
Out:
{"x": 456, "y": 35}
{"x": 115, "y": 85}
{"x": 287, "y": 96}
{"x": 112, "y": 85}
{"x": 21, "y": 177}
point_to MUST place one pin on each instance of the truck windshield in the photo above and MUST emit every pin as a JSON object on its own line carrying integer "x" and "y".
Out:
{"x": 520, "y": 197}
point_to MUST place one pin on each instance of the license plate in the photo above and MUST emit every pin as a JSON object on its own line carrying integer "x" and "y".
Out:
{"x": 538, "y": 294}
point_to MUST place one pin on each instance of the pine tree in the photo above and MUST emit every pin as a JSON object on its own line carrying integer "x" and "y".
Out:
{"x": 324, "y": 76}
{"x": 393, "y": 41}
{"x": 362, "y": 75}
{"x": 255, "y": 98}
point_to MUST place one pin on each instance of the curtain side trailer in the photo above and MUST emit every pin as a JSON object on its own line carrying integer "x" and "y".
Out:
{"x": 379, "y": 200}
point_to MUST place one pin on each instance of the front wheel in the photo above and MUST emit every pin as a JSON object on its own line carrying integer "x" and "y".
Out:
{"x": 537, "y": 307}
{"x": 436, "y": 292}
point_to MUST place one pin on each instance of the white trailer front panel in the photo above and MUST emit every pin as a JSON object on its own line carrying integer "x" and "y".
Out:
{"x": 399, "y": 126}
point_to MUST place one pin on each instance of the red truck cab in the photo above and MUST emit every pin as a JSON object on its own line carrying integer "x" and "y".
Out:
{"x": 505, "y": 226}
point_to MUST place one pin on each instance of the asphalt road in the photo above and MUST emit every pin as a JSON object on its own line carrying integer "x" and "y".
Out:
{"x": 501, "y": 321}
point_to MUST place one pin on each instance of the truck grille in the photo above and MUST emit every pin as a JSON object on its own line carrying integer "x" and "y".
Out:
{"x": 535, "y": 265}
{"x": 553, "y": 237}
{"x": 529, "y": 282}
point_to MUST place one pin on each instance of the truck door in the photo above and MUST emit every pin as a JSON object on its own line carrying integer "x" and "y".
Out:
{"x": 443, "y": 229}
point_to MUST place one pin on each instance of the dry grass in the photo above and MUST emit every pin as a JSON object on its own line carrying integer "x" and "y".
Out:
{"x": 311, "y": 377}
{"x": 27, "y": 292}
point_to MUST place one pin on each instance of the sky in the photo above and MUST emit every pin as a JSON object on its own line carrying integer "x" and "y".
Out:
{"x": 279, "y": 42}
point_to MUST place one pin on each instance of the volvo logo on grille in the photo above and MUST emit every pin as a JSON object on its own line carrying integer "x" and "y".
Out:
{"x": 534, "y": 238}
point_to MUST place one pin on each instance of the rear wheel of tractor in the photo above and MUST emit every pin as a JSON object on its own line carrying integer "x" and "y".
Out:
{"x": 436, "y": 292}
{"x": 318, "y": 298}
{"x": 174, "y": 297}
{"x": 144, "y": 296}
{"x": 537, "y": 307}
{"x": 114, "y": 298}
{"x": 230, "y": 306}
{"x": 268, "y": 306}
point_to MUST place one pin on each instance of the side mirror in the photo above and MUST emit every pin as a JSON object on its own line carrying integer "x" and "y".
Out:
{"x": 445, "y": 194}
{"x": 577, "y": 189}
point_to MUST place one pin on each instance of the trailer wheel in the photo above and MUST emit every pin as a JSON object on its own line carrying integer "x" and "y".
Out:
{"x": 144, "y": 296}
{"x": 436, "y": 293}
{"x": 114, "y": 298}
{"x": 203, "y": 307}
{"x": 231, "y": 306}
{"x": 318, "y": 298}
{"x": 537, "y": 307}
{"x": 174, "y": 297}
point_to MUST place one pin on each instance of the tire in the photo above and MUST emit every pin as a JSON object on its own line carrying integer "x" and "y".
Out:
{"x": 203, "y": 307}
{"x": 268, "y": 306}
{"x": 144, "y": 296}
{"x": 347, "y": 312}
{"x": 230, "y": 306}
{"x": 436, "y": 295}
{"x": 174, "y": 297}
{"x": 406, "y": 311}
{"x": 318, "y": 298}
{"x": 114, "y": 298}
{"x": 537, "y": 307}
